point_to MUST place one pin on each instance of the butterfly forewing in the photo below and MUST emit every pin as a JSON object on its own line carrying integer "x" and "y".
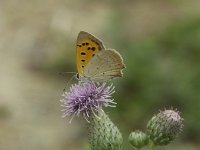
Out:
{"x": 105, "y": 65}
{"x": 86, "y": 48}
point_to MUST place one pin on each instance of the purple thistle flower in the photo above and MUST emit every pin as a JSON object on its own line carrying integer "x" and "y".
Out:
{"x": 86, "y": 98}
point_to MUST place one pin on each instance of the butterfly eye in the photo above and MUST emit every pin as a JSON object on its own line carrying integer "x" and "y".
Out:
{"x": 77, "y": 76}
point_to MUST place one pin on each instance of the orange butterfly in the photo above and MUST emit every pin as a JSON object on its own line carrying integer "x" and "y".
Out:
{"x": 94, "y": 62}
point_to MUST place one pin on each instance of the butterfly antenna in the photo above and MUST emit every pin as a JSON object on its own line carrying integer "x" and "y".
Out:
{"x": 68, "y": 82}
{"x": 62, "y": 73}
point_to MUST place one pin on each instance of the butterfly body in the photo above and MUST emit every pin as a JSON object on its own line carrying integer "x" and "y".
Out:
{"x": 94, "y": 62}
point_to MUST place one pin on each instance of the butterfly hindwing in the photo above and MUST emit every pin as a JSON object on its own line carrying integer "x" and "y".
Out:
{"x": 105, "y": 65}
{"x": 86, "y": 48}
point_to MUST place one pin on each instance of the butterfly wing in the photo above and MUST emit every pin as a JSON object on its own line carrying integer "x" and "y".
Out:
{"x": 105, "y": 65}
{"x": 86, "y": 48}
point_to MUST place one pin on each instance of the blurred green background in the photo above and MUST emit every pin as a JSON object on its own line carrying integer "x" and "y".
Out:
{"x": 159, "y": 41}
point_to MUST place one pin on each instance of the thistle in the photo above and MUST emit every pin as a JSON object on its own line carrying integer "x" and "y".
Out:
{"x": 87, "y": 98}
{"x": 164, "y": 127}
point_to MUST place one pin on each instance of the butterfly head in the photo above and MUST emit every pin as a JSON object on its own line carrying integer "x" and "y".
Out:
{"x": 77, "y": 76}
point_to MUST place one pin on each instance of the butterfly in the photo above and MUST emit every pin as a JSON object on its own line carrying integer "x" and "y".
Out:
{"x": 94, "y": 61}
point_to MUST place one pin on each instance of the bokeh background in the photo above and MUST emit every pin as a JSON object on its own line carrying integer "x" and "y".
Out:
{"x": 159, "y": 41}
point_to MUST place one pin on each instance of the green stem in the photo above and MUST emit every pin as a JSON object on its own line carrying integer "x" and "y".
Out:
{"x": 151, "y": 145}
{"x": 135, "y": 148}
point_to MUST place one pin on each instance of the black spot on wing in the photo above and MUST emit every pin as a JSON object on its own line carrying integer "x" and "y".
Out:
{"x": 83, "y": 53}
{"x": 83, "y": 60}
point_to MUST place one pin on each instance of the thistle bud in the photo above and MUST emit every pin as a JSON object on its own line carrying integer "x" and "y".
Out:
{"x": 103, "y": 134}
{"x": 138, "y": 139}
{"x": 164, "y": 127}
